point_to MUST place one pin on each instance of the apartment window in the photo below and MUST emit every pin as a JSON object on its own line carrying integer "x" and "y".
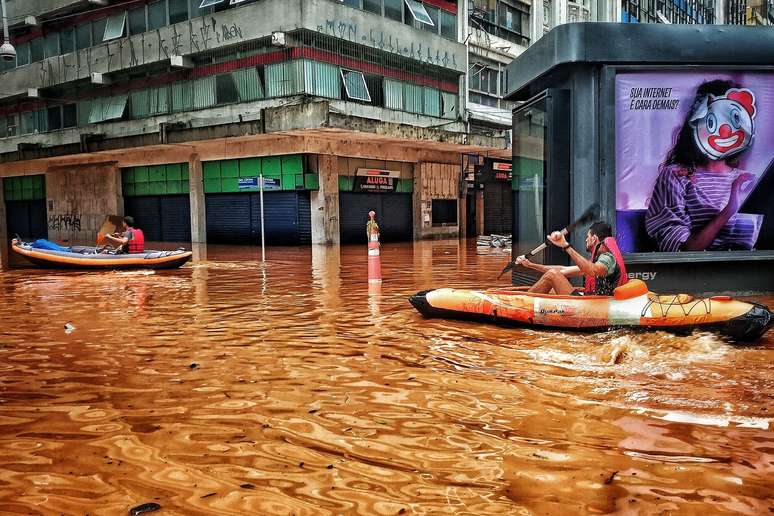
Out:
{"x": 54, "y": 118}
{"x": 83, "y": 35}
{"x": 115, "y": 108}
{"x": 84, "y": 111}
{"x": 51, "y": 45}
{"x": 178, "y": 11}
{"x": 69, "y": 115}
{"x": 322, "y": 79}
{"x": 226, "y": 90}
{"x": 448, "y": 23}
{"x": 432, "y": 104}
{"x": 22, "y": 54}
{"x": 114, "y": 28}
{"x": 373, "y": 6}
{"x": 444, "y": 212}
{"x": 182, "y": 96}
{"x": 67, "y": 40}
{"x": 419, "y": 12}
{"x": 352, "y": 3}
{"x": 433, "y": 13}
{"x": 136, "y": 20}
{"x": 355, "y": 85}
{"x": 28, "y": 122}
{"x": 393, "y": 9}
{"x": 41, "y": 121}
{"x": 412, "y": 98}
{"x": 157, "y": 15}
{"x": 448, "y": 105}
{"x": 98, "y": 30}
{"x": 283, "y": 79}
{"x": 10, "y": 123}
{"x": 36, "y": 49}
{"x": 204, "y": 92}
{"x": 393, "y": 94}
{"x": 248, "y": 84}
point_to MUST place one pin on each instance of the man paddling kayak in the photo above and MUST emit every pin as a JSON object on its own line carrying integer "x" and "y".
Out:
{"x": 604, "y": 272}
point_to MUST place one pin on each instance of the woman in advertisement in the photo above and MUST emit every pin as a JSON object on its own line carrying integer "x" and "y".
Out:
{"x": 700, "y": 188}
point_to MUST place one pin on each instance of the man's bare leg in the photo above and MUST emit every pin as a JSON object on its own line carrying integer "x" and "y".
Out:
{"x": 552, "y": 279}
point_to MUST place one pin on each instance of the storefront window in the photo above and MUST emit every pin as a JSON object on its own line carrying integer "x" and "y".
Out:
{"x": 529, "y": 172}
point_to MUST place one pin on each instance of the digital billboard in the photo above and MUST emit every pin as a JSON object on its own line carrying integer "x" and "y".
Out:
{"x": 694, "y": 160}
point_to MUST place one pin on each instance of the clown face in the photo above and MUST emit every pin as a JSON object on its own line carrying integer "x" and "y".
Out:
{"x": 723, "y": 126}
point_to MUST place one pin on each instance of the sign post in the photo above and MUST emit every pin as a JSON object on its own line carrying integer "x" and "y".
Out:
{"x": 263, "y": 233}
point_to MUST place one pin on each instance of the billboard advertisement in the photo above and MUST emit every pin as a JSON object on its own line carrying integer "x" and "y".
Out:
{"x": 694, "y": 161}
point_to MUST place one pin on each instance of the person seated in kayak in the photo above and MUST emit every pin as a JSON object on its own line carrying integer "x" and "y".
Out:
{"x": 604, "y": 271}
{"x": 131, "y": 240}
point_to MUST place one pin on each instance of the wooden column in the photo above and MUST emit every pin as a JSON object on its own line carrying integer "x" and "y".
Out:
{"x": 325, "y": 202}
{"x": 196, "y": 199}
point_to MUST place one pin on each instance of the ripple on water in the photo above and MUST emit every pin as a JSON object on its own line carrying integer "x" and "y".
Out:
{"x": 311, "y": 394}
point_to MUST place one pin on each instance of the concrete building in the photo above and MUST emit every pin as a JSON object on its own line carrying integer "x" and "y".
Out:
{"x": 170, "y": 110}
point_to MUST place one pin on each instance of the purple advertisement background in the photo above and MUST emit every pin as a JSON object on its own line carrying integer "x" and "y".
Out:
{"x": 645, "y": 136}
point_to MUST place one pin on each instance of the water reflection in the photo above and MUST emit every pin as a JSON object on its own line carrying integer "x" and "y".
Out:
{"x": 235, "y": 387}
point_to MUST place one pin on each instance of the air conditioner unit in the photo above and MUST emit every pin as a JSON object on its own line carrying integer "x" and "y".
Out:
{"x": 278, "y": 39}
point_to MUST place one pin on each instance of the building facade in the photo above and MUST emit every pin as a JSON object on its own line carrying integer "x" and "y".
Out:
{"x": 171, "y": 110}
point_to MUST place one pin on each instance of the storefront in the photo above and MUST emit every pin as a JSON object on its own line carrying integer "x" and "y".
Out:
{"x": 25, "y": 206}
{"x": 158, "y": 199}
{"x": 495, "y": 176}
{"x": 233, "y": 200}
{"x": 640, "y": 129}
{"x": 382, "y": 186}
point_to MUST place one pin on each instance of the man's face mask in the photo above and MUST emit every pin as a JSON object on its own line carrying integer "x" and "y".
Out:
{"x": 723, "y": 126}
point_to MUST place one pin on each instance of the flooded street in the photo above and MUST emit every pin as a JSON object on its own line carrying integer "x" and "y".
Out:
{"x": 230, "y": 387}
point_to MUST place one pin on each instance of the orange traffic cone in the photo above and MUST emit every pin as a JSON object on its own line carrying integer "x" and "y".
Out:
{"x": 374, "y": 258}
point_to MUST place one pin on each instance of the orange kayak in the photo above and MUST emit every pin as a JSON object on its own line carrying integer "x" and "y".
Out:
{"x": 89, "y": 258}
{"x": 632, "y": 305}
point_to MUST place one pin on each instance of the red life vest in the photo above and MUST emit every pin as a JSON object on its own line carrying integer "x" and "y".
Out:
{"x": 612, "y": 246}
{"x": 137, "y": 243}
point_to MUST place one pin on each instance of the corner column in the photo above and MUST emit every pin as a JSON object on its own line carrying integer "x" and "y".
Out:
{"x": 325, "y": 202}
{"x": 196, "y": 199}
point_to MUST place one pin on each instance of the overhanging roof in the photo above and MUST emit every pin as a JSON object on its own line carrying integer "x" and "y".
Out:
{"x": 640, "y": 43}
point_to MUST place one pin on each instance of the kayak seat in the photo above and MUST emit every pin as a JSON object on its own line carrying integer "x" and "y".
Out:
{"x": 631, "y": 289}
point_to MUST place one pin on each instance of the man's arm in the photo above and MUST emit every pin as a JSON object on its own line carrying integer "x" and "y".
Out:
{"x": 585, "y": 266}
{"x": 116, "y": 240}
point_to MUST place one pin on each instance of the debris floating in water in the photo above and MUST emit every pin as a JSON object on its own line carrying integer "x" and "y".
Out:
{"x": 68, "y": 328}
{"x": 146, "y": 507}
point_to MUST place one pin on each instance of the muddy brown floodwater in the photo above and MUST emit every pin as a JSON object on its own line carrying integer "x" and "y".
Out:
{"x": 228, "y": 387}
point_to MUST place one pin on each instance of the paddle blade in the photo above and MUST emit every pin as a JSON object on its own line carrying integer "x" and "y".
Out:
{"x": 506, "y": 269}
{"x": 591, "y": 213}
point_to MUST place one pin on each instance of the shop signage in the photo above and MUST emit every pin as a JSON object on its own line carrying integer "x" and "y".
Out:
{"x": 375, "y": 180}
{"x": 252, "y": 183}
{"x": 502, "y": 171}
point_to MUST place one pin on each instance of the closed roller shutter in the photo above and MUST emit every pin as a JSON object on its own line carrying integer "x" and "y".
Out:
{"x": 498, "y": 207}
{"x": 162, "y": 218}
{"x": 394, "y": 213}
{"x": 236, "y": 218}
{"x": 228, "y": 219}
{"x": 26, "y": 219}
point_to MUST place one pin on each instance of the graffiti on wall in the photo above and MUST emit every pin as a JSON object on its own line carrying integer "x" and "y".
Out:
{"x": 64, "y": 222}
{"x": 197, "y": 35}
{"x": 383, "y": 40}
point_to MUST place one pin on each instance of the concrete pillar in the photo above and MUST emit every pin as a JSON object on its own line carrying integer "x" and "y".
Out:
{"x": 196, "y": 199}
{"x": 3, "y": 230}
{"x": 325, "y": 202}
{"x": 479, "y": 212}
{"x": 79, "y": 197}
{"x": 536, "y": 20}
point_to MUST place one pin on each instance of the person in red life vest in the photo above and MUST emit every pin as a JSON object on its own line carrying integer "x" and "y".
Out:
{"x": 604, "y": 271}
{"x": 131, "y": 240}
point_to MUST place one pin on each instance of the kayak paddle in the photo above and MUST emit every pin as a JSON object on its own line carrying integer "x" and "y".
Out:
{"x": 586, "y": 216}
